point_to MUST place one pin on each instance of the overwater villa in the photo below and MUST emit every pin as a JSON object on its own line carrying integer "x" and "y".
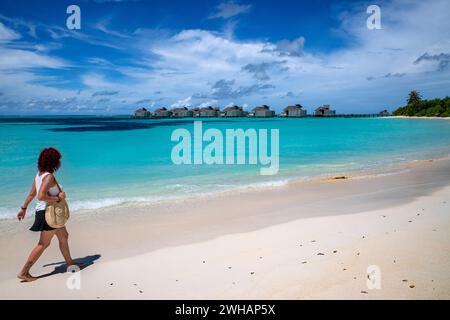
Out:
{"x": 181, "y": 112}
{"x": 162, "y": 113}
{"x": 234, "y": 111}
{"x": 208, "y": 112}
{"x": 384, "y": 113}
{"x": 195, "y": 112}
{"x": 324, "y": 111}
{"x": 142, "y": 113}
{"x": 295, "y": 111}
{"x": 262, "y": 112}
{"x": 205, "y": 112}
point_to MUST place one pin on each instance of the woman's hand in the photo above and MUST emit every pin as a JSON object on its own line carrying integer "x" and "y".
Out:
{"x": 21, "y": 214}
{"x": 62, "y": 195}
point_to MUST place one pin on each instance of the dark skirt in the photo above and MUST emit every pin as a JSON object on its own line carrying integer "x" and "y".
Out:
{"x": 39, "y": 222}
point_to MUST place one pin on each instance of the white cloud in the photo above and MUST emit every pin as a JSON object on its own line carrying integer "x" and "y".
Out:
{"x": 294, "y": 47}
{"x": 103, "y": 26}
{"x": 30, "y": 27}
{"x": 182, "y": 103}
{"x": 226, "y": 10}
{"x": 97, "y": 81}
{"x": 208, "y": 103}
{"x": 199, "y": 50}
{"x": 7, "y": 34}
{"x": 13, "y": 59}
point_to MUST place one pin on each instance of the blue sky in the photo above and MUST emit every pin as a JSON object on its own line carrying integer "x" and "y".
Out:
{"x": 156, "y": 53}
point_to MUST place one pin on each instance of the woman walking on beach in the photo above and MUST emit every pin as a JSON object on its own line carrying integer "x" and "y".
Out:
{"x": 46, "y": 189}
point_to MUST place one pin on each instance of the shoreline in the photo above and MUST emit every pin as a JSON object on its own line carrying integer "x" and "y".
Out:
{"x": 378, "y": 171}
{"x": 150, "y": 240}
{"x": 401, "y": 169}
{"x": 417, "y": 117}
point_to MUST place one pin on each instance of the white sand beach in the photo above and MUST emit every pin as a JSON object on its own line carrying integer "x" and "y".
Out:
{"x": 301, "y": 241}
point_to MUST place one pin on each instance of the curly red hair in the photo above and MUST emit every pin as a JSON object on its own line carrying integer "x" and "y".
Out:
{"x": 49, "y": 160}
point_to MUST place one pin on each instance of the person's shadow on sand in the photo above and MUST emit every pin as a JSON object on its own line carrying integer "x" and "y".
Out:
{"x": 61, "y": 267}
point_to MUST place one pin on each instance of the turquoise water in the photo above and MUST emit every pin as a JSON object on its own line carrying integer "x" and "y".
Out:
{"x": 107, "y": 161}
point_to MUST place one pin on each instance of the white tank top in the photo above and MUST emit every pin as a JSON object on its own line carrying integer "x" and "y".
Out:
{"x": 53, "y": 191}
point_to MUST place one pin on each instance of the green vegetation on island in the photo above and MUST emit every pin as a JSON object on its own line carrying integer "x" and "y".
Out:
{"x": 418, "y": 107}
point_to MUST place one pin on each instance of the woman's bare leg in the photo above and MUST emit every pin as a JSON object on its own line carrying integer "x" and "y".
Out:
{"x": 63, "y": 238}
{"x": 44, "y": 242}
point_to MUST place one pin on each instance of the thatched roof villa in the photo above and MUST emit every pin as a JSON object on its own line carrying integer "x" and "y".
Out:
{"x": 234, "y": 111}
{"x": 295, "y": 111}
{"x": 205, "y": 112}
{"x": 142, "y": 113}
{"x": 181, "y": 112}
{"x": 162, "y": 113}
{"x": 208, "y": 112}
{"x": 195, "y": 112}
{"x": 324, "y": 111}
{"x": 262, "y": 112}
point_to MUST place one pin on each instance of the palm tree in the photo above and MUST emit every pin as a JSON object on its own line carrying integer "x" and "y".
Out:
{"x": 414, "y": 97}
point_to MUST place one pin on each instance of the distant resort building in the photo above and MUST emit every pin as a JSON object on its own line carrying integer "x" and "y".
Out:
{"x": 162, "y": 113}
{"x": 195, "y": 112}
{"x": 208, "y": 112}
{"x": 294, "y": 111}
{"x": 324, "y": 111}
{"x": 233, "y": 112}
{"x": 182, "y": 112}
{"x": 262, "y": 112}
{"x": 142, "y": 113}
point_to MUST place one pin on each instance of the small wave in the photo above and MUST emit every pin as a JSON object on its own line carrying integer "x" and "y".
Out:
{"x": 267, "y": 184}
{"x": 8, "y": 213}
{"x": 109, "y": 202}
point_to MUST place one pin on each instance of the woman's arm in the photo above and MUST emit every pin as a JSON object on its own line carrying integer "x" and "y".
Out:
{"x": 28, "y": 199}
